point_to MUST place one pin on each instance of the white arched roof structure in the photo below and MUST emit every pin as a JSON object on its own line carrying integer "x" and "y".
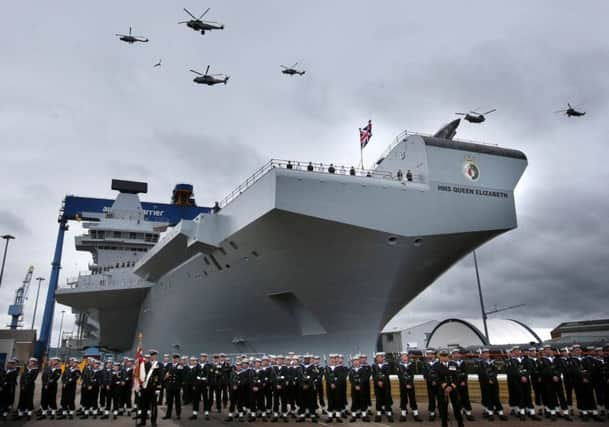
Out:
{"x": 470, "y": 332}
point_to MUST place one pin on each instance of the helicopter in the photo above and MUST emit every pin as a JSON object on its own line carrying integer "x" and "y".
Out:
{"x": 129, "y": 38}
{"x": 209, "y": 79}
{"x": 290, "y": 71}
{"x": 198, "y": 25}
{"x": 158, "y": 64}
{"x": 475, "y": 117}
{"x": 571, "y": 112}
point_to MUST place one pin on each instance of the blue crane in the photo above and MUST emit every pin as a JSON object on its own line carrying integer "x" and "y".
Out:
{"x": 16, "y": 310}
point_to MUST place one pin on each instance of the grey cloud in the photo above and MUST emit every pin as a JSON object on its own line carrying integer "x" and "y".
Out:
{"x": 11, "y": 223}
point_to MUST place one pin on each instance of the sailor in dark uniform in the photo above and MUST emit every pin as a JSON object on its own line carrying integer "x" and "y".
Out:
{"x": 382, "y": 387}
{"x": 174, "y": 378}
{"x": 530, "y": 360}
{"x": 104, "y": 388}
{"x": 598, "y": 381}
{"x": 582, "y": 380}
{"x": 462, "y": 384}
{"x": 8, "y": 385}
{"x": 331, "y": 376}
{"x": 216, "y": 382}
{"x": 366, "y": 375}
{"x": 358, "y": 401}
{"x": 127, "y": 390}
{"x": 551, "y": 381}
{"x": 267, "y": 385}
{"x": 234, "y": 387}
{"x": 446, "y": 376}
{"x": 48, "y": 394}
{"x": 406, "y": 373}
{"x": 518, "y": 375}
{"x": 292, "y": 388}
{"x": 227, "y": 369}
{"x": 186, "y": 381}
{"x": 257, "y": 392}
{"x": 343, "y": 374}
{"x": 307, "y": 377}
{"x": 69, "y": 380}
{"x": 564, "y": 365}
{"x": 489, "y": 387}
{"x": 166, "y": 361}
{"x": 113, "y": 399}
{"x": 27, "y": 384}
{"x": 201, "y": 390}
{"x": 151, "y": 389}
{"x": 244, "y": 402}
{"x": 279, "y": 380}
{"x": 432, "y": 386}
{"x": 319, "y": 385}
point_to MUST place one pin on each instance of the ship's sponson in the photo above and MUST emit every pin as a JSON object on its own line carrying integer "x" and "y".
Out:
{"x": 320, "y": 262}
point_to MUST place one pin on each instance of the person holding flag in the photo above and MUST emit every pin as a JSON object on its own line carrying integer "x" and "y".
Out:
{"x": 365, "y": 134}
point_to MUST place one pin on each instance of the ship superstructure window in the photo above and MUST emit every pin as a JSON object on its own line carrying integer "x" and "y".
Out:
{"x": 101, "y": 234}
{"x": 133, "y": 235}
{"x": 116, "y": 234}
{"x": 233, "y": 245}
{"x": 93, "y": 234}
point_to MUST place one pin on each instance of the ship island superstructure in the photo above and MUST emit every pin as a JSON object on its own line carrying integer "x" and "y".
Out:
{"x": 318, "y": 260}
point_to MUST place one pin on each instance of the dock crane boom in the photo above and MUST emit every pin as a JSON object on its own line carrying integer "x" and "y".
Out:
{"x": 16, "y": 310}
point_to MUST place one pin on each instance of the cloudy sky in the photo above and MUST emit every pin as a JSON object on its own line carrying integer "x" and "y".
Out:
{"x": 78, "y": 107}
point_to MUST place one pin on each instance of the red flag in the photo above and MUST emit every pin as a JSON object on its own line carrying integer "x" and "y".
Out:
{"x": 139, "y": 370}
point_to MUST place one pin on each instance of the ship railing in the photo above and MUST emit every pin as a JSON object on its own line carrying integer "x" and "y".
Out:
{"x": 402, "y": 135}
{"x": 102, "y": 281}
{"x": 324, "y": 168}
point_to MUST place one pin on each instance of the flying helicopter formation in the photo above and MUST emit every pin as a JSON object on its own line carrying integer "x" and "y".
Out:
{"x": 209, "y": 79}
{"x": 130, "y": 38}
{"x": 475, "y": 117}
{"x": 571, "y": 111}
{"x": 200, "y": 25}
{"x": 292, "y": 70}
{"x": 197, "y": 24}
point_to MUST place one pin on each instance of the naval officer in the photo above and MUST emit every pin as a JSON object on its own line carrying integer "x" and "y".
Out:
{"x": 446, "y": 377}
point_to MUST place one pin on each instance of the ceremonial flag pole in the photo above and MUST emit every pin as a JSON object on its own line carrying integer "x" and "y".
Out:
{"x": 364, "y": 137}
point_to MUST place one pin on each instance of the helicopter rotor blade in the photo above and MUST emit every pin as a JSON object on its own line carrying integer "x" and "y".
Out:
{"x": 283, "y": 66}
{"x": 560, "y": 111}
{"x": 461, "y": 114}
{"x": 191, "y": 15}
{"x": 196, "y": 72}
{"x": 207, "y": 69}
{"x": 204, "y": 13}
{"x": 129, "y": 30}
{"x": 295, "y": 64}
{"x": 491, "y": 111}
{"x": 121, "y": 35}
{"x": 183, "y": 22}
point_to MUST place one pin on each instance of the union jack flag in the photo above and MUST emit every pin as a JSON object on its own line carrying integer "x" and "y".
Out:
{"x": 365, "y": 134}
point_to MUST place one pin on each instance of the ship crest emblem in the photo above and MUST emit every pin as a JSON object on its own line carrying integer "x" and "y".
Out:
{"x": 471, "y": 170}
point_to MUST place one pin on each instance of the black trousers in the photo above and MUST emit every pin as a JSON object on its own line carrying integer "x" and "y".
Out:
{"x": 308, "y": 399}
{"x": 173, "y": 398}
{"x": 68, "y": 397}
{"x": 524, "y": 396}
{"x": 48, "y": 396}
{"x": 268, "y": 397}
{"x": 358, "y": 400}
{"x": 513, "y": 392}
{"x": 26, "y": 398}
{"x": 201, "y": 393}
{"x": 186, "y": 393}
{"x": 463, "y": 391}
{"x": 569, "y": 391}
{"x": 216, "y": 395}
{"x": 490, "y": 396}
{"x": 443, "y": 400}
{"x": 257, "y": 404}
{"x": 407, "y": 395}
{"x": 333, "y": 398}
{"x": 553, "y": 394}
{"x": 585, "y": 396}
{"x": 383, "y": 397}
{"x": 103, "y": 394}
{"x": 432, "y": 394}
{"x": 149, "y": 403}
{"x": 280, "y": 400}
{"x": 113, "y": 398}
{"x": 7, "y": 399}
{"x": 126, "y": 392}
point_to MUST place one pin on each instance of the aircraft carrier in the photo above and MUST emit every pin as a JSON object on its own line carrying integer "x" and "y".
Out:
{"x": 296, "y": 259}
